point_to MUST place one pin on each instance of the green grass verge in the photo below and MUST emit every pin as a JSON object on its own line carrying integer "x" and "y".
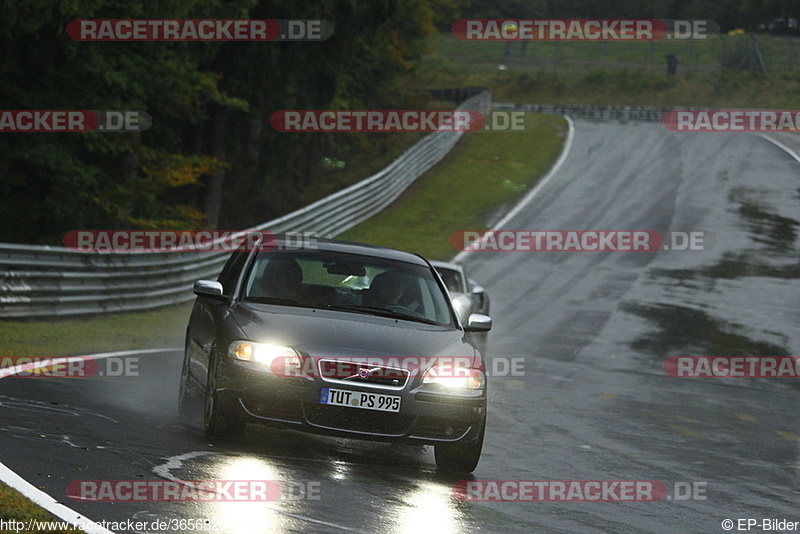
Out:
{"x": 485, "y": 172}
{"x": 164, "y": 327}
{"x": 779, "y": 53}
{"x": 618, "y": 73}
{"x": 357, "y": 167}
{"x": 15, "y": 506}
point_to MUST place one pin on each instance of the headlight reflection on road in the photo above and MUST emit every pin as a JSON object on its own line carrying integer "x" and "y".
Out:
{"x": 250, "y": 517}
{"x": 429, "y": 507}
{"x": 339, "y": 470}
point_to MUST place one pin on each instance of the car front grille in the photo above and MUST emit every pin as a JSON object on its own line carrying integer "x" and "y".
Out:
{"x": 363, "y": 374}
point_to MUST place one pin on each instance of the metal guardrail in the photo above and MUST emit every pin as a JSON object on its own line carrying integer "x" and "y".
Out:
{"x": 41, "y": 281}
{"x": 596, "y": 112}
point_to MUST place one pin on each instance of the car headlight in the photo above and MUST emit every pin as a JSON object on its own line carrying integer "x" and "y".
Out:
{"x": 264, "y": 353}
{"x": 455, "y": 377}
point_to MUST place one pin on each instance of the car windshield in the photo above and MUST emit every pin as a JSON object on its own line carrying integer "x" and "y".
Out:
{"x": 348, "y": 283}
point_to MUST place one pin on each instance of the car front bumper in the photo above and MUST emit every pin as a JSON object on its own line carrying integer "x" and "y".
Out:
{"x": 428, "y": 415}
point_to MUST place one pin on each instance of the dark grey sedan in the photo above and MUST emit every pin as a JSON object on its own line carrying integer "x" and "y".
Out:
{"x": 340, "y": 339}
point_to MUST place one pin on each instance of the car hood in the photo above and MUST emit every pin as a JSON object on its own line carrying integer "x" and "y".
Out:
{"x": 335, "y": 334}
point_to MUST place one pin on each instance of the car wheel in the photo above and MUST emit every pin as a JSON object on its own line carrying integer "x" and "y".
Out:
{"x": 217, "y": 423}
{"x": 461, "y": 458}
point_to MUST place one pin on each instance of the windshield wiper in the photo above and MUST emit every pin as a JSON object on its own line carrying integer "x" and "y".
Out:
{"x": 381, "y": 312}
{"x": 371, "y": 310}
{"x": 274, "y": 300}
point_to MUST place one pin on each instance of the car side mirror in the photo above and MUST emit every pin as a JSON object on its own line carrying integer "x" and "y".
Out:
{"x": 208, "y": 288}
{"x": 478, "y": 290}
{"x": 478, "y": 322}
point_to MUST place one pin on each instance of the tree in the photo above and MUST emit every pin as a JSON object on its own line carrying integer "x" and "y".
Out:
{"x": 85, "y": 180}
{"x": 210, "y": 157}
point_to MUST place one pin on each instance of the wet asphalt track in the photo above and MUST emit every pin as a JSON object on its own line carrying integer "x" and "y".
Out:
{"x": 594, "y": 404}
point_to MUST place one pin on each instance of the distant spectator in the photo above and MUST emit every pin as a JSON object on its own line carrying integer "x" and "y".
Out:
{"x": 672, "y": 64}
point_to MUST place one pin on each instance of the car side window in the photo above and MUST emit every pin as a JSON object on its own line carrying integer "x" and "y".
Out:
{"x": 231, "y": 271}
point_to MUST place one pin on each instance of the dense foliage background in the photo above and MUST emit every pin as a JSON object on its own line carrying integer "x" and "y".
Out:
{"x": 210, "y": 158}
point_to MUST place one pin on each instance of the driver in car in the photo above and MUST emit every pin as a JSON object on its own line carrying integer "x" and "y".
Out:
{"x": 387, "y": 290}
{"x": 282, "y": 279}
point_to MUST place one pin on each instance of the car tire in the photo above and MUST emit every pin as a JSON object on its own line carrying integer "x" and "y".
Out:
{"x": 460, "y": 458}
{"x": 216, "y": 422}
{"x": 185, "y": 393}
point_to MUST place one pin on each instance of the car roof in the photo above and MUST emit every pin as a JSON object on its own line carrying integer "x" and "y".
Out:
{"x": 350, "y": 247}
{"x": 447, "y": 265}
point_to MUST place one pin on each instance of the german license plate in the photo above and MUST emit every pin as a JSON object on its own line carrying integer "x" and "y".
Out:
{"x": 357, "y": 399}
